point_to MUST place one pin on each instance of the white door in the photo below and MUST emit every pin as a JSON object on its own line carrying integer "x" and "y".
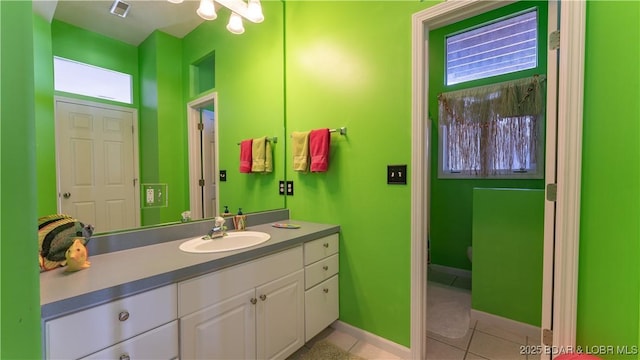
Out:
{"x": 96, "y": 165}
{"x": 225, "y": 330}
{"x": 208, "y": 164}
{"x": 280, "y": 317}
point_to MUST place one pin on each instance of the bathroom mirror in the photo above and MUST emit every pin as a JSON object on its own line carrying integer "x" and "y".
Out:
{"x": 248, "y": 81}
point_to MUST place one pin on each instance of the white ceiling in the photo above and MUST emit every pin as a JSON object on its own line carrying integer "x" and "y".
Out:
{"x": 143, "y": 18}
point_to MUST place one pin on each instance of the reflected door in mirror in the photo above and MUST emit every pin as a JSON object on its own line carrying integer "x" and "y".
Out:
{"x": 96, "y": 165}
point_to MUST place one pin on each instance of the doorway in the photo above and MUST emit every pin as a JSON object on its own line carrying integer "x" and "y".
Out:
{"x": 559, "y": 311}
{"x": 203, "y": 156}
{"x": 97, "y": 164}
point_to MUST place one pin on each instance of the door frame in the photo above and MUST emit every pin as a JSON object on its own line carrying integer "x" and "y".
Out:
{"x": 136, "y": 153}
{"x": 569, "y": 162}
{"x": 195, "y": 155}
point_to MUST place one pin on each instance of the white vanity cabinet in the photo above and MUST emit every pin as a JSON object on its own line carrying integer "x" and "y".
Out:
{"x": 138, "y": 326}
{"x": 321, "y": 296}
{"x": 254, "y": 310}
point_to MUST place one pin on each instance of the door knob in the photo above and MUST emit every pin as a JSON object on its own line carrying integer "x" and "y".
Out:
{"x": 66, "y": 195}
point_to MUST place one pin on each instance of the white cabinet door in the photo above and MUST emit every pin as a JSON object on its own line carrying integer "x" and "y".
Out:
{"x": 280, "y": 317}
{"x": 322, "y": 306}
{"x": 225, "y": 330}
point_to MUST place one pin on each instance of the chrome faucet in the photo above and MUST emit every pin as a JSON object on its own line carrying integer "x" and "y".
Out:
{"x": 218, "y": 230}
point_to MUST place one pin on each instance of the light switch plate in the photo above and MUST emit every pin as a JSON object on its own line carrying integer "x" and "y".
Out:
{"x": 223, "y": 175}
{"x": 397, "y": 174}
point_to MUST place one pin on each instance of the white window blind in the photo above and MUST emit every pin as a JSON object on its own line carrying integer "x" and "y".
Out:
{"x": 88, "y": 80}
{"x": 502, "y": 47}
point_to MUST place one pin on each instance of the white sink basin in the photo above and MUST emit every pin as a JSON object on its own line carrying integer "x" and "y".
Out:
{"x": 232, "y": 241}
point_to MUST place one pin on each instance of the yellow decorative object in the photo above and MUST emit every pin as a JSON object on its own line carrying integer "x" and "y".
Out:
{"x": 77, "y": 256}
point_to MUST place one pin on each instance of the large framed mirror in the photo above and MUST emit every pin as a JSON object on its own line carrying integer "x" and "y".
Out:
{"x": 246, "y": 74}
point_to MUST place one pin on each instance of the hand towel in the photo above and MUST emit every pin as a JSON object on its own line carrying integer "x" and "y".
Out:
{"x": 245, "y": 155}
{"x": 268, "y": 159}
{"x": 319, "y": 149}
{"x": 258, "y": 154}
{"x": 300, "y": 149}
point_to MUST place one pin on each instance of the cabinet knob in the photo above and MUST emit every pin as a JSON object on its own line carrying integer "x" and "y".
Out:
{"x": 125, "y": 357}
{"x": 325, "y": 290}
{"x": 66, "y": 195}
{"x": 254, "y": 301}
{"x": 325, "y": 268}
{"x": 123, "y": 316}
{"x": 325, "y": 245}
{"x": 263, "y": 297}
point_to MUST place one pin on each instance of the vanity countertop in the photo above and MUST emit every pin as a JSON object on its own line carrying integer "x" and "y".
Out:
{"x": 122, "y": 273}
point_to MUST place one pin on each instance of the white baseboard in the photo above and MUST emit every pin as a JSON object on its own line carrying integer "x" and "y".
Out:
{"x": 450, "y": 270}
{"x": 375, "y": 340}
{"x": 505, "y": 323}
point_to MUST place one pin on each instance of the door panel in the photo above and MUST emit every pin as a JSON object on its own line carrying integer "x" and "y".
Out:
{"x": 95, "y": 159}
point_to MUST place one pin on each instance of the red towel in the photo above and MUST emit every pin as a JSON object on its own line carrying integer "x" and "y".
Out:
{"x": 245, "y": 155}
{"x": 319, "y": 149}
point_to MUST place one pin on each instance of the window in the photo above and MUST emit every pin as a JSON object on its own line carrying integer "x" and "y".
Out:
{"x": 498, "y": 48}
{"x": 492, "y": 131}
{"x": 88, "y": 80}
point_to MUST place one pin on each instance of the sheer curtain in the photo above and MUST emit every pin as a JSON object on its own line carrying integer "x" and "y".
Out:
{"x": 492, "y": 130}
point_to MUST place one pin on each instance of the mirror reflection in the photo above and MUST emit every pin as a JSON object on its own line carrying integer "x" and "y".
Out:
{"x": 233, "y": 85}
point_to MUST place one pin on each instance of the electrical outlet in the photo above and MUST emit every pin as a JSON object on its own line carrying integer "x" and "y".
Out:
{"x": 150, "y": 196}
{"x": 289, "y": 187}
{"x": 397, "y": 174}
{"x": 223, "y": 175}
{"x": 281, "y": 187}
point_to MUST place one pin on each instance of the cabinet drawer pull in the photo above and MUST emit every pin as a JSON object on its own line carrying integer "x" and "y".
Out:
{"x": 125, "y": 357}
{"x": 254, "y": 301}
{"x": 325, "y": 290}
{"x": 123, "y": 316}
{"x": 263, "y": 297}
{"x": 325, "y": 268}
{"x": 325, "y": 245}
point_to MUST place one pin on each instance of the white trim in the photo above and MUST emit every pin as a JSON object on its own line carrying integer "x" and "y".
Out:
{"x": 387, "y": 345}
{"x": 570, "y": 107}
{"x": 550, "y": 176}
{"x": 136, "y": 153}
{"x": 195, "y": 155}
{"x": 505, "y": 323}
{"x": 572, "y": 23}
{"x": 450, "y": 270}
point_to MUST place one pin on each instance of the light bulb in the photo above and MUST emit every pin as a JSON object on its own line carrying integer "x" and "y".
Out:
{"x": 235, "y": 24}
{"x": 207, "y": 10}
{"x": 175, "y": 1}
{"x": 254, "y": 11}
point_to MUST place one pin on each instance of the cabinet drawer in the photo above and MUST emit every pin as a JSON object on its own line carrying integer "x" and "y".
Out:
{"x": 206, "y": 290}
{"x": 321, "y": 270}
{"x": 87, "y": 331}
{"x": 159, "y": 343}
{"x": 321, "y": 307}
{"x": 320, "y": 248}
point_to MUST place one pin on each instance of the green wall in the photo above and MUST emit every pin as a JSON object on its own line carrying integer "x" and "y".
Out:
{"x": 609, "y": 277}
{"x": 359, "y": 76}
{"x": 339, "y": 74}
{"x": 45, "y": 115}
{"x": 163, "y": 129}
{"x": 451, "y": 199}
{"x": 508, "y": 237}
{"x": 249, "y": 80}
{"x": 19, "y": 294}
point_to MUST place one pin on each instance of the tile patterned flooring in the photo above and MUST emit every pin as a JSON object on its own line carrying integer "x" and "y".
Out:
{"x": 481, "y": 342}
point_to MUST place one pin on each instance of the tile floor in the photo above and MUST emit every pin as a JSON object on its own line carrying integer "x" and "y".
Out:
{"x": 481, "y": 342}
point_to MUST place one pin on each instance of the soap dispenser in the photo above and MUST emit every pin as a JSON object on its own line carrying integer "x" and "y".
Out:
{"x": 226, "y": 211}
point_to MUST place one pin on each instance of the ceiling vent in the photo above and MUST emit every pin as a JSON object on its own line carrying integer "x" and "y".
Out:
{"x": 120, "y": 8}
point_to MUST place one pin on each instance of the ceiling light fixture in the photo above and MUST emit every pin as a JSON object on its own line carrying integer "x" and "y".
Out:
{"x": 207, "y": 10}
{"x": 235, "y": 25}
{"x": 251, "y": 10}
